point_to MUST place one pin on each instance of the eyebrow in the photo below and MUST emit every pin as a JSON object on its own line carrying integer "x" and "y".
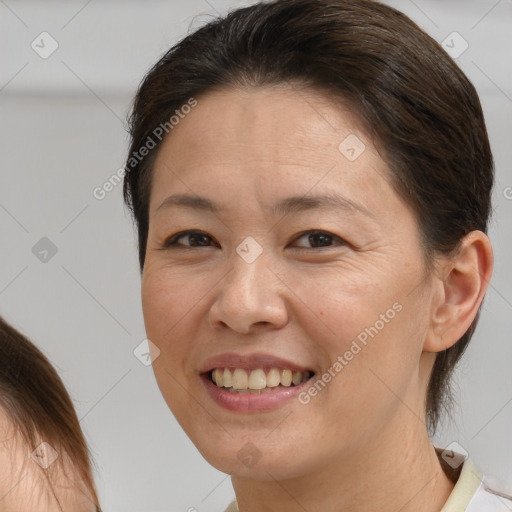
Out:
{"x": 294, "y": 204}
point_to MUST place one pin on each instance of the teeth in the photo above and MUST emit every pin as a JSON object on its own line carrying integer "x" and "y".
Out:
{"x": 273, "y": 378}
{"x": 240, "y": 379}
{"x": 256, "y": 381}
{"x": 218, "y": 377}
{"x": 286, "y": 377}
{"x": 228, "y": 380}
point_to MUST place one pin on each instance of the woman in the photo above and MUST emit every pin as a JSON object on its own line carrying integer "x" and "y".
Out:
{"x": 44, "y": 460}
{"x": 311, "y": 183}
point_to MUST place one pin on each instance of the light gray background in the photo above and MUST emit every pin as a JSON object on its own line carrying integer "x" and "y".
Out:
{"x": 62, "y": 133}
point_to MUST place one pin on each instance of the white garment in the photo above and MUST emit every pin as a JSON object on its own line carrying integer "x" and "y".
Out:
{"x": 471, "y": 493}
{"x": 486, "y": 500}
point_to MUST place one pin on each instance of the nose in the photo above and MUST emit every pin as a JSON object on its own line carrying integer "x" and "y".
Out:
{"x": 249, "y": 295}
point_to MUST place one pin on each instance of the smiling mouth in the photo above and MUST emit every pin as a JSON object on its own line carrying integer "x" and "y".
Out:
{"x": 242, "y": 381}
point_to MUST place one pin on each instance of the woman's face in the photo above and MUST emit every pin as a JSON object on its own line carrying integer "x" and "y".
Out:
{"x": 276, "y": 278}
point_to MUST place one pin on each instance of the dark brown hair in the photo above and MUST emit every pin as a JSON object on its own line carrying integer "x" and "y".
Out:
{"x": 40, "y": 408}
{"x": 414, "y": 102}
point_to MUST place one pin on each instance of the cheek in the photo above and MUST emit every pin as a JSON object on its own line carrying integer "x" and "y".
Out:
{"x": 341, "y": 307}
{"x": 174, "y": 315}
{"x": 163, "y": 306}
{"x": 371, "y": 335}
{"x": 168, "y": 300}
{"x": 378, "y": 371}
{"x": 164, "y": 309}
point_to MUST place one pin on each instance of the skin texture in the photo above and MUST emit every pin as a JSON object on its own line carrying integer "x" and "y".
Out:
{"x": 23, "y": 487}
{"x": 361, "y": 443}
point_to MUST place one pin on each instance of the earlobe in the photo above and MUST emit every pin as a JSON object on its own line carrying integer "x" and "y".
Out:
{"x": 467, "y": 276}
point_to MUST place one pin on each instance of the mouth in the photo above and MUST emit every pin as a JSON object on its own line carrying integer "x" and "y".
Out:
{"x": 257, "y": 381}
{"x": 252, "y": 383}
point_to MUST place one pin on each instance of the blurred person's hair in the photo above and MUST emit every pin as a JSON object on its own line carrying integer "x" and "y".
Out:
{"x": 38, "y": 409}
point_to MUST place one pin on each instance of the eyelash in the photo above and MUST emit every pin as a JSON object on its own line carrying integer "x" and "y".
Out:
{"x": 171, "y": 241}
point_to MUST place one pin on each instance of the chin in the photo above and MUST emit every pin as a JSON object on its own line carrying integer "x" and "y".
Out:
{"x": 257, "y": 459}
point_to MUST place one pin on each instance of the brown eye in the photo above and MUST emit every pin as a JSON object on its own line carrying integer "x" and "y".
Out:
{"x": 320, "y": 239}
{"x": 194, "y": 238}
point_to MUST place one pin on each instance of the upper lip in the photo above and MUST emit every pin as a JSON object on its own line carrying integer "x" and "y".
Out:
{"x": 250, "y": 362}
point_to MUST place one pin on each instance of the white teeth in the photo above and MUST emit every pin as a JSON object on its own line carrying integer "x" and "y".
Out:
{"x": 273, "y": 378}
{"x": 286, "y": 377}
{"x": 218, "y": 377}
{"x": 240, "y": 379}
{"x": 227, "y": 377}
{"x": 256, "y": 381}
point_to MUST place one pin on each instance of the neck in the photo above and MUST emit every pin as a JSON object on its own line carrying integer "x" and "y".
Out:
{"x": 398, "y": 469}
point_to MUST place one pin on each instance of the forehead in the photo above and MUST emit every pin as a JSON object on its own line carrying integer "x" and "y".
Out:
{"x": 271, "y": 140}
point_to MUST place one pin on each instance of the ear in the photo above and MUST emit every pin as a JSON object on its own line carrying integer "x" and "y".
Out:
{"x": 467, "y": 275}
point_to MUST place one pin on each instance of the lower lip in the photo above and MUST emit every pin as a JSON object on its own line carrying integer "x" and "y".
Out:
{"x": 247, "y": 402}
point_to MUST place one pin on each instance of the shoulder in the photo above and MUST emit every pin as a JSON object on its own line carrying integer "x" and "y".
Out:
{"x": 474, "y": 491}
{"x": 490, "y": 497}
{"x": 233, "y": 507}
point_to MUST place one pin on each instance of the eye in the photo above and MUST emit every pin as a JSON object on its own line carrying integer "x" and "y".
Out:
{"x": 320, "y": 239}
{"x": 195, "y": 239}
{"x": 316, "y": 238}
